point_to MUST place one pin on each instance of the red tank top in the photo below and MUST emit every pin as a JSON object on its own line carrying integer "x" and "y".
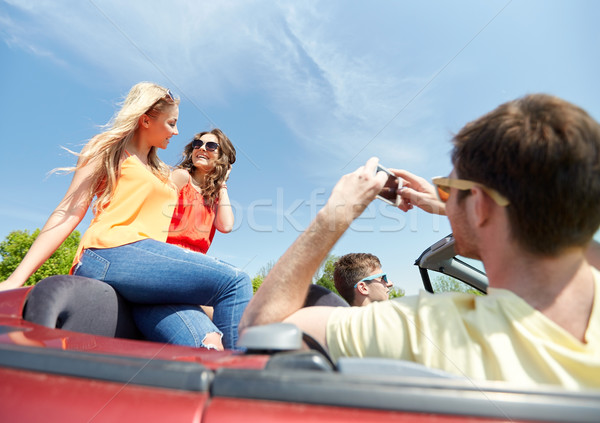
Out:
{"x": 192, "y": 223}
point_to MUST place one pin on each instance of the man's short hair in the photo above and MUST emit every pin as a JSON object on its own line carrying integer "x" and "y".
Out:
{"x": 350, "y": 269}
{"x": 543, "y": 154}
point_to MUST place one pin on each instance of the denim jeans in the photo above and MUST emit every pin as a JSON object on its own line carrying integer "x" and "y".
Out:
{"x": 180, "y": 324}
{"x": 156, "y": 273}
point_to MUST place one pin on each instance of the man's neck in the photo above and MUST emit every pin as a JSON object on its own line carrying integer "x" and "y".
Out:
{"x": 561, "y": 287}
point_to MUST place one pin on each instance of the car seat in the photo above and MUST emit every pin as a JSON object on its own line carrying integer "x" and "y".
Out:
{"x": 320, "y": 296}
{"x": 80, "y": 304}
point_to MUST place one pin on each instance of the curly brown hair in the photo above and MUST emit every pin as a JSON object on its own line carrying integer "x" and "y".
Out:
{"x": 216, "y": 178}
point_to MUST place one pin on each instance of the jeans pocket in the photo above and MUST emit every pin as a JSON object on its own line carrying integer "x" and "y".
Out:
{"x": 92, "y": 265}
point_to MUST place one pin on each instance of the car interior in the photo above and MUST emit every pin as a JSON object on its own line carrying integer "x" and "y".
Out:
{"x": 291, "y": 373}
{"x": 89, "y": 306}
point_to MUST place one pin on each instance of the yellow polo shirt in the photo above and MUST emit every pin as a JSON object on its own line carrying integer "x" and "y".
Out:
{"x": 493, "y": 337}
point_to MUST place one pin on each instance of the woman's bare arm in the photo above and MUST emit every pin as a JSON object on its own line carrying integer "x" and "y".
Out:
{"x": 224, "y": 218}
{"x": 63, "y": 220}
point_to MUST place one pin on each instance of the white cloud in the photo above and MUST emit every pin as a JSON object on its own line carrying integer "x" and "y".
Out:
{"x": 294, "y": 54}
{"x": 342, "y": 93}
{"x": 328, "y": 95}
{"x": 16, "y": 36}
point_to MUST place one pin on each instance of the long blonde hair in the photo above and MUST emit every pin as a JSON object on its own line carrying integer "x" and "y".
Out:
{"x": 143, "y": 98}
{"x": 215, "y": 178}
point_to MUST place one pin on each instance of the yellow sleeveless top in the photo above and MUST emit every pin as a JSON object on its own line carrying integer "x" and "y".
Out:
{"x": 141, "y": 207}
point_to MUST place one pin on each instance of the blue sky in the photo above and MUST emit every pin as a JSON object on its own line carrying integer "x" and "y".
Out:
{"x": 307, "y": 91}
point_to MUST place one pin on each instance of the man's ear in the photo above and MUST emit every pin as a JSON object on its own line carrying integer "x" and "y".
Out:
{"x": 362, "y": 288}
{"x": 480, "y": 206}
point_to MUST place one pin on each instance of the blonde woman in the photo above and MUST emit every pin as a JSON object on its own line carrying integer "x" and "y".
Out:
{"x": 125, "y": 243}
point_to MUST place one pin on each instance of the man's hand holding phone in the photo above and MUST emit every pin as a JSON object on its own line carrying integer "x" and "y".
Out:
{"x": 417, "y": 191}
{"x": 390, "y": 191}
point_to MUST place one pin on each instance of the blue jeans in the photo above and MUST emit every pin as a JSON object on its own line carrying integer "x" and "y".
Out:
{"x": 181, "y": 324}
{"x": 156, "y": 273}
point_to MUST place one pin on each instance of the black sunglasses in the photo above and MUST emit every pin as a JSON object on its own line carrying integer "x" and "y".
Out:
{"x": 209, "y": 146}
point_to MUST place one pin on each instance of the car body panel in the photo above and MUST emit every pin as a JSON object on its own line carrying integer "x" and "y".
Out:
{"x": 236, "y": 410}
{"x": 38, "y": 396}
{"x": 50, "y": 374}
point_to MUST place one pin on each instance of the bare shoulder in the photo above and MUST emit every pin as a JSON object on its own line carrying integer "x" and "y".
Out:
{"x": 180, "y": 177}
{"x": 87, "y": 166}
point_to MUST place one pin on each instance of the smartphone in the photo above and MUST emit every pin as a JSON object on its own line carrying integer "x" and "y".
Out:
{"x": 389, "y": 192}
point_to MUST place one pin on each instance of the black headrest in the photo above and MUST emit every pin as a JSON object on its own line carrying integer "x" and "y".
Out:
{"x": 80, "y": 304}
{"x": 320, "y": 296}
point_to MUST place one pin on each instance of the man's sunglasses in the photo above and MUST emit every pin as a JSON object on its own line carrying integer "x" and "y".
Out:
{"x": 209, "y": 146}
{"x": 443, "y": 186}
{"x": 383, "y": 277}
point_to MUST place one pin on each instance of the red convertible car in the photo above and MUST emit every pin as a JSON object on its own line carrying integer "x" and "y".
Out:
{"x": 69, "y": 352}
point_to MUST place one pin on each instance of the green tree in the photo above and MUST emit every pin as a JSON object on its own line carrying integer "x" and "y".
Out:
{"x": 445, "y": 283}
{"x": 17, "y": 243}
{"x": 326, "y": 268}
{"x": 257, "y": 282}
{"x": 327, "y": 283}
{"x": 397, "y": 293}
{"x": 260, "y": 276}
{"x": 324, "y": 275}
